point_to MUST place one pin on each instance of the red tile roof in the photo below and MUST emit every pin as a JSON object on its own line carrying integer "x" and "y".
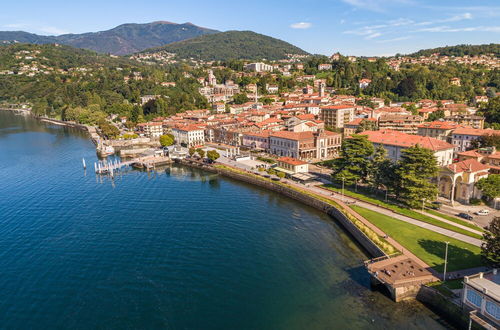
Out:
{"x": 291, "y": 161}
{"x": 400, "y": 139}
{"x": 475, "y": 131}
{"x": 471, "y": 165}
{"x": 440, "y": 125}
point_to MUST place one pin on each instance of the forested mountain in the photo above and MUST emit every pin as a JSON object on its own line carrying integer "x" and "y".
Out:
{"x": 66, "y": 82}
{"x": 232, "y": 45}
{"x": 121, "y": 40}
{"x": 461, "y": 50}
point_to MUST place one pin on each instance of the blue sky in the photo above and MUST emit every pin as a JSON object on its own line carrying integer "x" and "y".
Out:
{"x": 352, "y": 27}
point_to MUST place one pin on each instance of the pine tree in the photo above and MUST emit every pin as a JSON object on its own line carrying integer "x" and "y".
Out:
{"x": 415, "y": 169}
{"x": 353, "y": 164}
{"x": 490, "y": 250}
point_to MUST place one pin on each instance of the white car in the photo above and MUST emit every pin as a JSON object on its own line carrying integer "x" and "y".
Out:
{"x": 483, "y": 212}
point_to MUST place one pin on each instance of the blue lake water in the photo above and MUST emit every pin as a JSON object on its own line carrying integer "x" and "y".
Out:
{"x": 176, "y": 249}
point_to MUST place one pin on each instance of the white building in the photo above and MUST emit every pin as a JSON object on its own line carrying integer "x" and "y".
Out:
{"x": 336, "y": 116}
{"x": 481, "y": 293}
{"x": 462, "y": 138}
{"x": 151, "y": 129}
{"x": 259, "y": 67}
{"x": 190, "y": 135}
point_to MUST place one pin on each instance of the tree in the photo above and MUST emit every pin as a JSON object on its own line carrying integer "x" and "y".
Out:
{"x": 166, "y": 140}
{"x": 191, "y": 151}
{"x": 354, "y": 161}
{"x": 108, "y": 130}
{"x": 406, "y": 87}
{"x": 201, "y": 152}
{"x": 367, "y": 125}
{"x": 379, "y": 168}
{"x": 415, "y": 169}
{"x": 213, "y": 155}
{"x": 240, "y": 98}
{"x": 281, "y": 175}
{"x": 490, "y": 186}
{"x": 436, "y": 115}
{"x": 490, "y": 250}
{"x": 488, "y": 140}
{"x": 491, "y": 110}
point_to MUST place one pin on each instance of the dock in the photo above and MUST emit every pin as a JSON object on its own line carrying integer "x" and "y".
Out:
{"x": 402, "y": 276}
{"x": 148, "y": 163}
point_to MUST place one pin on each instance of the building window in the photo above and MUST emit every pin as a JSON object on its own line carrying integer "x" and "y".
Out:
{"x": 493, "y": 309}
{"x": 474, "y": 298}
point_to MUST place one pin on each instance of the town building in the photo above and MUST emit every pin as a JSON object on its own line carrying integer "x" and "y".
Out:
{"x": 395, "y": 142}
{"x": 336, "y": 116}
{"x": 324, "y": 67}
{"x": 292, "y": 165}
{"x": 256, "y": 140}
{"x": 467, "y": 120}
{"x": 463, "y": 137}
{"x": 488, "y": 156}
{"x": 441, "y": 130}
{"x": 402, "y": 123}
{"x": 354, "y": 126}
{"x": 151, "y": 129}
{"x": 457, "y": 181}
{"x": 305, "y": 145}
{"x": 189, "y": 135}
{"x": 363, "y": 83}
{"x": 481, "y": 293}
{"x": 259, "y": 67}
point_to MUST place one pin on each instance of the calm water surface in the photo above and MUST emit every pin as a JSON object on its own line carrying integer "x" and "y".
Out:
{"x": 179, "y": 249}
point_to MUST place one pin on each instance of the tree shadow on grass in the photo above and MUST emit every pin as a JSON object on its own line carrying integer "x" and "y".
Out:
{"x": 458, "y": 258}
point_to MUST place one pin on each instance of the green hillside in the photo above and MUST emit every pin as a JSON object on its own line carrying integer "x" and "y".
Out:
{"x": 232, "y": 45}
{"x": 461, "y": 50}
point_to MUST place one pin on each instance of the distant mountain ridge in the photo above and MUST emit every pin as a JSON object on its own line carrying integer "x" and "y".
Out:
{"x": 461, "y": 50}
{"x": 237, "y": 45}
{"x": 121, "y": 40}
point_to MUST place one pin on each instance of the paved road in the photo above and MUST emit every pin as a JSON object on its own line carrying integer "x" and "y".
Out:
{"x": 475, "y": 231}
{"x": 482, "y": 221}
{"x": 446, "y": 232}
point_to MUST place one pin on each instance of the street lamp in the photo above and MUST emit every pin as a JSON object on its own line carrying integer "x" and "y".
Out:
{"x": 445, "y": 260}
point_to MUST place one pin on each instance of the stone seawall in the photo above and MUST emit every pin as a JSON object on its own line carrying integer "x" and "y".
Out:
{"x": 318, "y": 204}
{"x": 443, "y": 306}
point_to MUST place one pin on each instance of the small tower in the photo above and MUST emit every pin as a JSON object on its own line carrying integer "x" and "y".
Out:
{"x": 322, "y": 89}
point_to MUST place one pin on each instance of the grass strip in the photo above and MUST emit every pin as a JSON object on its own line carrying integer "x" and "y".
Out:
{"x": 404, "y": 211}
{"x": 425, "y": 244}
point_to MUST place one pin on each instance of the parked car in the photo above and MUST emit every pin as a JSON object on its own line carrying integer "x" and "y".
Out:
{"x": 465, "y": 216}
{"x": 483, "y": 212}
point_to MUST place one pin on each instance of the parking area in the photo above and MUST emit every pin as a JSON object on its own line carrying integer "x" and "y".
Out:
{"x": 481, "y": 220}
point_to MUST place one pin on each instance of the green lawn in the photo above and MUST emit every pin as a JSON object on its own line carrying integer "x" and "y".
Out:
{"x": 456, "y": 220}
{"x": 425, "y": 244}
{"x": 408, "y": 212}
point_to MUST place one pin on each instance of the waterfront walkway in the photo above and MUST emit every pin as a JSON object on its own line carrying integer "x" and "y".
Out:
{"x": 390, "y": 213}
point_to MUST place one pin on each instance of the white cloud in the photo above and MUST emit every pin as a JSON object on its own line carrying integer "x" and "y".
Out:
{"x": 393, "y": 39}
{"x": 463, "y": 29}
{"x": 15, "y": 26}
{"x": 373, "y": 35}
{"x": 301, "y": 25}
{"x": 52, "y": 30}
{"x": 376, "y": 5}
